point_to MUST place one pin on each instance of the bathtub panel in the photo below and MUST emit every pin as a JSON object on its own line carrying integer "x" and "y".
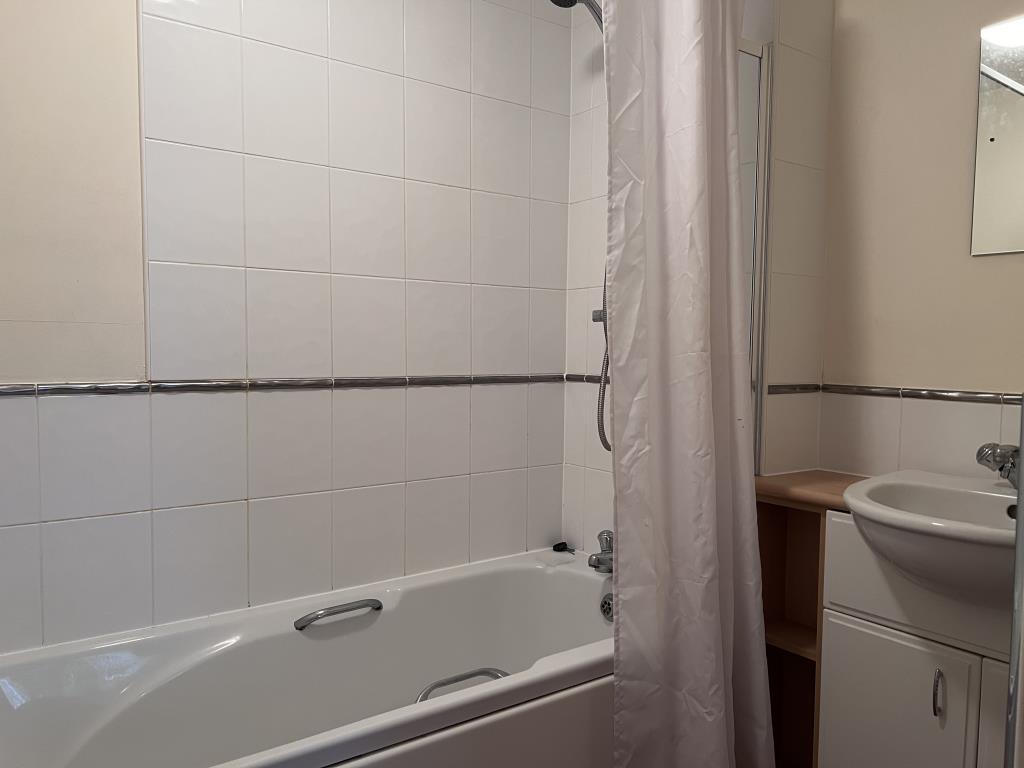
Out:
{"x": 568, "y": 729}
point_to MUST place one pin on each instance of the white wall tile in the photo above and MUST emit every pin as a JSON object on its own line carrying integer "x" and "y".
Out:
{"x": 369, "y": 326}
{"x": 578, "y": 418}
{"x": 545, "y": 9}
{"x": 939, "y": 436}
{"x": 599, "y": 152}
{"x": 289, "y": 442}
{"x": 588, "y": 240}
{"x": 192, "y": 85}
{"x": 547, "y": 331}
{"x": 1010, "y": 428}
{"x": 299, "y": 24}
{"x": 800, "y": 103}
{"x": 860, "y": 435}
{"x": 367, "y": 224}
{"x": 21, "y": 597}
{"x": 437, "y": 232}
{"x": 437, "y": 42}
{"x": 587, "y": 62}
{"x": 500, "y": 147}
{"x": 544, "y": 507}
{"x": 438, "y": 330}
{"x": 369, "y": 535}
{"x": 501, "y": 239}
{"x": 368, "y": 34}
{"x": 196, "y": 322}
{"x": 289, "y": 547}
{"x": 807, "y": 25}
{"x": 581, "y": 155}
{"x": 498, "y": 427}
{"x": 373, "y": 143}
{"x": 550, "y": 157}
{"x": 791, "y": 433}
{"x": 572, "y": 506}
{"x": 285, "y": 103}
{"x": 497, "y": 514}
{"x": 550, "y": 67}
{"x": 436, "y": 524}
{"x": 795, "y": 333}
{"x": 287, "y": 215}
{"x": 595, "y": 331}
{"x": 93, "y": 455}
{"x": 19, "y": 461}
{"x": 501, "y": 53}
{"x": 97, "y": 576}
{"x": 369, "y": 437}
{"x": 289, "y": 324}
{"x": 523, "y": 6}
{"x": 214, "y": 14}
{"x": 598, "y": 507}
{"x": 546, "y": 416}
{"x": 193, "y": 204}
{"x": 436, "y": 134}
{"x": 549, "y": 244}
{"x": 577, "y": 326}
{"x": 199, "y": 448}
{"x": 594, "y": 454}
{"x": 200, "y": 561}
{"x": 798, "y": 219}
{"x": 437, "y": 432}
{"x": 501, "y": 337}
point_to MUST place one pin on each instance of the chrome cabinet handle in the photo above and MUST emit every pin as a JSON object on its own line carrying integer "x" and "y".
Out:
{"x": 491, "y": 672}
{"x": 938, "y": 681}
{"x": 311, "y": 618}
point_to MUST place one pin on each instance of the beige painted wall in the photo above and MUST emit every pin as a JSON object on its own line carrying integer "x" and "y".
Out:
{"x": 71, "y": 271}
{"x": 906, "y": 305}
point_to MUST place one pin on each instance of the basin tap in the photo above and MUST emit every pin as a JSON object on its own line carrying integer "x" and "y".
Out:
{"x": 1003, "y": 459}
{"x": 602, "y": 561}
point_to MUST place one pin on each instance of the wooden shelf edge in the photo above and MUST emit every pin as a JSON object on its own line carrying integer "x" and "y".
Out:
{"x": 793, "y": 638}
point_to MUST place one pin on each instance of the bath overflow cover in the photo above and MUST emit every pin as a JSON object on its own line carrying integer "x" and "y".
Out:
{"x": 606, "y": 607}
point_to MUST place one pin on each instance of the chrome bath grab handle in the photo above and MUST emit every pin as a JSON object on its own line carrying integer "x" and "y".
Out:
{"x": 491, "y": 672}
{"x": 334, "y": 610}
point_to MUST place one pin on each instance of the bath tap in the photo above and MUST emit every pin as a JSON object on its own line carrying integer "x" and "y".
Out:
{"x": 1003, "y": 459}
{"x": 602, "y": 561}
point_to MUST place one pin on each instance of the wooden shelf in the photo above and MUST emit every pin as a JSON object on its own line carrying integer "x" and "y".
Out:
{"x": 792, "y": 637}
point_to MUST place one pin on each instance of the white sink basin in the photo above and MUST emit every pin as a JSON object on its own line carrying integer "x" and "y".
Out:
{"x": 950, "y": 534}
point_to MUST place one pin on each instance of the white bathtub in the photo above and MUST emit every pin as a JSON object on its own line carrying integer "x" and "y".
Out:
{"x": 246, "y": 690}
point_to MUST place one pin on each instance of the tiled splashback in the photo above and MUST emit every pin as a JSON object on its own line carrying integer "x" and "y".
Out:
{"x": 345, "y": 189}
{"x": 872, "y": 435}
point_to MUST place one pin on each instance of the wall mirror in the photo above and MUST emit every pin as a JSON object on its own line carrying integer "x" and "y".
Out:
{"x": 999, "y": 164}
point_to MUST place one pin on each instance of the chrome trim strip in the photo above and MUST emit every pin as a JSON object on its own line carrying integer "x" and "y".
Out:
{"x": 910, "y": 393}
{"x": 855, "y": 389}
{"x": 951, "y": 395}
{"x": 272, "y": 384}
{"x": 371, "y": 382}
{"x": 793, "y": 389}
{"x": 17, "y": 390}
{"x": 584, "y": 378}
{"x": 106, "y": 388}
{"x": 439, "y": 381}
{"x": 225, "y": 385}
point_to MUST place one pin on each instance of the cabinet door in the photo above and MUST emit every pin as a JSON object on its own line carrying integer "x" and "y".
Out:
{"x": 877, "y": 699}
{"x": 995, "y": 680}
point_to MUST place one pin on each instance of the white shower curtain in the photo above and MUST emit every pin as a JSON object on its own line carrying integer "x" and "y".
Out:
{"x": 691, "y": 684}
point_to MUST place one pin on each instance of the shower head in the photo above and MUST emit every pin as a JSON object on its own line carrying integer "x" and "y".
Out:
{"x": 594, "y": 6}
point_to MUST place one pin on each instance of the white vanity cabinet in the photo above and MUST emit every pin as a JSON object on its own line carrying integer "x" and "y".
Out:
{"x": 888, "y": 645}
{"x": 892, "y": 700}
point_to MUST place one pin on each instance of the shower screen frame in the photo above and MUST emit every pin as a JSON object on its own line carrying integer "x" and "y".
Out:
{"x": 759, "y": 286}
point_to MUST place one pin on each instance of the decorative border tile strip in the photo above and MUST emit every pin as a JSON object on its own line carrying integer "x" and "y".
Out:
{"x": 257, "y": 385}
{"x": 587, "y": 378}
{"x": 910, "y": 393}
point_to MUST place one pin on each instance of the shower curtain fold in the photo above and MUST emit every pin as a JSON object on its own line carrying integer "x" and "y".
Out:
{"x": 691, "y": 683}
